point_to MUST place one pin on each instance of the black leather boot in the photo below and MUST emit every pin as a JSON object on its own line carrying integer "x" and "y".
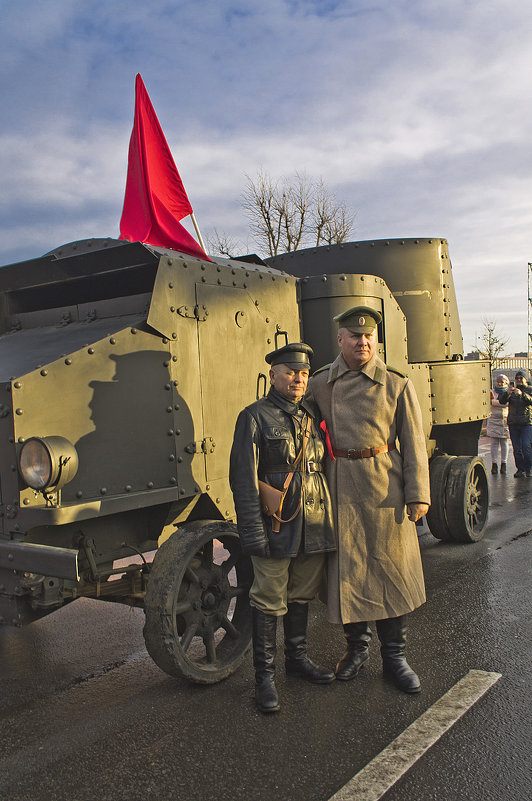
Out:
{"x": 392, "y": 634}
{"x": 357, "y": 636}
{"x": 264, "y": 647}
{"x": 295, "y": 640}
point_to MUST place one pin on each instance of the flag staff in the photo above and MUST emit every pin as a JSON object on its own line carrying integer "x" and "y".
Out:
{"x": 198, "y": 232}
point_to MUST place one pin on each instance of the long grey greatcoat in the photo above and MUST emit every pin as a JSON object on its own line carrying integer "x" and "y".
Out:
{"x": 376, "y": 573}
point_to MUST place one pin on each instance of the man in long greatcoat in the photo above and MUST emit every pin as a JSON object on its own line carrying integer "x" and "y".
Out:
{"x": 379, "y": 483}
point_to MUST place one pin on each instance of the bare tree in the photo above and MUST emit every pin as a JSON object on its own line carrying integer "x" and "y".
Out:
{"x": 492, "y": 344}
{"x": 332, "y": 222}
{"x": 288, "y": 214}
{"x": 221, "y": 244}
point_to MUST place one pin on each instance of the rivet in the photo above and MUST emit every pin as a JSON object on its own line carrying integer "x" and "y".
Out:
{"x": 79, "y": 494}
{"x": 128, "y": 488}
{"x": 171, "y": 458}
{"x": 172, "y": 308}
{"x": 19, "y": 411}
{"x": 91, "y": 351}
{"x": 170, "y": 432}
{"x": 176, "y": 407}
{"x": 10, "y": 557}
{"x": 256, "y": 303}
{"x": 179, "y": 459}
{"x": 112, "y": 341}
{"x": 203, "y": 277}
{"x": 169, "y": 409}
{"x": 150, "y": 484}
{"x": 217, "y": 500}
{"x": 44, "y": 372}
{"x": 26, "y": 501}
{"x": 173, "y": 480}
{"x": 68, "y": 361}
{"x": 170, "y": 285}
{"x": 218, "y": 269}
{"x": 166, "y": 364}
{"x": 203, "y": 267}
{"x": 174, "y": 358}
{"x": 133, "y": 330}
{"x": 174, "y": 335}
{"x": 181, "y": 491}
{"x": 177, "y": 432}
{"x": 167, "y": 386}
{"x": 17, "y": 385}
{"x": 103, "y": 490}
{"x": 207, "y": 486}
{"x": 245, "y": 285}
{"x": 165, "y": 341}
{"x": 267, "y": 319}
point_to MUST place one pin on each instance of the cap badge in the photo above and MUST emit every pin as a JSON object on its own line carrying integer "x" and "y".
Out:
{"x": 362, "y": 321}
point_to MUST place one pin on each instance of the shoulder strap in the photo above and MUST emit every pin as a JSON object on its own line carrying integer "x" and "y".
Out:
{"x": 288, "y": 479}
{"x": 395, "y": 370}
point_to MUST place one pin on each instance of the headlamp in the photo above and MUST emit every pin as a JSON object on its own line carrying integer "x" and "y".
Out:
{"x": 47, "y": 463}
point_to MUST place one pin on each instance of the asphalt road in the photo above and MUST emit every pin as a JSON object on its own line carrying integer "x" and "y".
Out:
{"x": 87, "y": 715}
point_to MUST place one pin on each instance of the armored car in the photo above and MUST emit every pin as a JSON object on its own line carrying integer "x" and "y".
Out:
{"x": 122, "y": 370}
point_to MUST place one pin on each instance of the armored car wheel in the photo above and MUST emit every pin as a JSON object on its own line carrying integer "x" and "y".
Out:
{"x": 198, "y": 619}
{"x": 436, "y": 516}
{"x": 467, "y": 499}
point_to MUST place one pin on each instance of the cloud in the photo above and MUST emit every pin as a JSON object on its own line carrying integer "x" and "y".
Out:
{"x": 411, "y": 111}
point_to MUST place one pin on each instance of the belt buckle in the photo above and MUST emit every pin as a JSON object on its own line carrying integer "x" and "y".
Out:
{"x": 352, "y": 453}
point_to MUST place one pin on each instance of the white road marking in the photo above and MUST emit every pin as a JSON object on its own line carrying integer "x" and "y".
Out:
{"x": 386, "y": 768}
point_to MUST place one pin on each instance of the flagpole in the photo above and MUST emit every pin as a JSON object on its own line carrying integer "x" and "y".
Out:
{"x": 197, "y": 230}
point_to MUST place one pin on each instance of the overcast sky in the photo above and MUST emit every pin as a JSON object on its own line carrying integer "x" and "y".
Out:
{"x": 416, "y": 113}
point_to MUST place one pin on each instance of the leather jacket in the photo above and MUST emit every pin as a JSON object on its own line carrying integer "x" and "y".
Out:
{"x": 268, "y": 435}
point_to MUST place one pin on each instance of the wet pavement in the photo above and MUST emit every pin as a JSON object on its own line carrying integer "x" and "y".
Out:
{"x": 87, "y": 715}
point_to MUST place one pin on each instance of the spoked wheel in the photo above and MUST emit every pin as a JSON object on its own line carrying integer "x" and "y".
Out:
{"x": 467, "y": 499}
{"x": 436, "y": 516}
{"x": 198, "y": 619}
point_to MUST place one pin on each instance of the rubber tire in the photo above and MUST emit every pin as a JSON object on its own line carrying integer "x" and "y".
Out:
{"x": 436, "y": 516}
{"x": 467, "y": 499}
{"x": 187, "y": 604}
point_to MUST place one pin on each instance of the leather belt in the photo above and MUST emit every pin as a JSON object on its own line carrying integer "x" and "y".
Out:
{"x": 310, "y": 467}
{"x": 363, "y": 453}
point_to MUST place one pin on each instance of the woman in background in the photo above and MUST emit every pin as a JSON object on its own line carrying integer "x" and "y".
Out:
{"x": 497, "y": 426}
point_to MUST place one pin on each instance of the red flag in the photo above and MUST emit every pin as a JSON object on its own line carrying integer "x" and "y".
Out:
{"x": 155, "y": 198}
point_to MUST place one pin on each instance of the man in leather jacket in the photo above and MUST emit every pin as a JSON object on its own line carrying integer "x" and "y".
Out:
{"x": 288, "y": 563}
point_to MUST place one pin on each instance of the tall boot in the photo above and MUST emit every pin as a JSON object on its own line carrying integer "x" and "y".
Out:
{"x": 295, "y": 640}
{"x": 357, "y": 636}
{"x": 264, "y": 648}
{"x": 392, "y": 634}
